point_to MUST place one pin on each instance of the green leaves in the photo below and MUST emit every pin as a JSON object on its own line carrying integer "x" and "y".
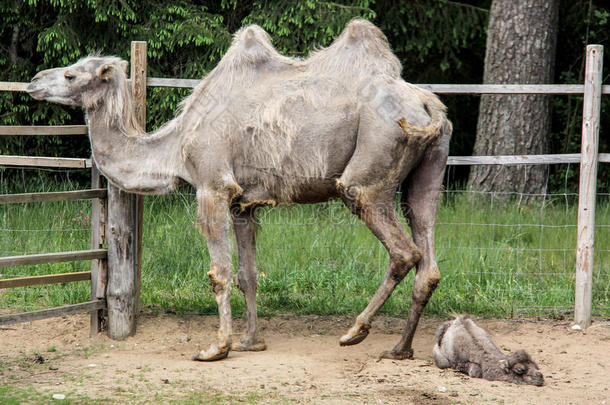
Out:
{"x": 440, "y": 31}
{"x": 59, "y": 43}
{"x": 297, "y": 27}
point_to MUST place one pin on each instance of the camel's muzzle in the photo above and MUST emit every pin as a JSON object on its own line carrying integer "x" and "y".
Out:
{"x": 34, "y": 90}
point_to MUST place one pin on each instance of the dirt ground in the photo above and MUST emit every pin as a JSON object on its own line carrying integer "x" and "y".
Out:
{"x": 303, "y": 363}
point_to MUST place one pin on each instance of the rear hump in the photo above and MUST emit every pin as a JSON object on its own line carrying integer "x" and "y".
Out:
{"x": 361, "y": 50}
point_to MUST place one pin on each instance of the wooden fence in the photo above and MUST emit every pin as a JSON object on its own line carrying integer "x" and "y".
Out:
{"x": 124, "y": 212}
{"x": 97, "y": 254}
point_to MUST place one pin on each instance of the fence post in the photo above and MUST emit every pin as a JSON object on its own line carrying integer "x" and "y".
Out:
{"x": 99, "y": 270}
{"x": 123, "y": 232}
{"x": 588, "y": 186}
{"x": 138, "y": 88}
{"x": 122, "y": 255}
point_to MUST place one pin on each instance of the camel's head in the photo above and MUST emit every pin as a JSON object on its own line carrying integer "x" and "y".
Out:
{"x": 522, "y": 369}
{"x": 82, "y": 84}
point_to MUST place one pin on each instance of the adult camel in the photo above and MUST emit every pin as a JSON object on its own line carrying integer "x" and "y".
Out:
{"x": 265, "y": 129}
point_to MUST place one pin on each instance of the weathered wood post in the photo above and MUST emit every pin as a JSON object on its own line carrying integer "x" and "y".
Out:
{"x": 124, "y": 217}
{"x": 122, "y": 262}
{"x": 138, "y": 89}
{"x": 588, "y": 185}
{"x": 99, "y": 268}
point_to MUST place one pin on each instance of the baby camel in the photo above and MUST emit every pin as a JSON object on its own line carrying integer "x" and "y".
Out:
{"x": 464, "y": 346}
{"x": 265, "y": 129}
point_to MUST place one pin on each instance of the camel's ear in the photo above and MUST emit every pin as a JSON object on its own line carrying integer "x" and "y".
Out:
{"x": 520, "y": 356}
{"x": 124, "y": 65}
{"x": 520, "y": 368}
{"x": 504, "y": 365}
{"x": 105, "y": 72}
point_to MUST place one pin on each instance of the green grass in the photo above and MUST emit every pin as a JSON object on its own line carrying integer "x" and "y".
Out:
{"x": 497, "y": 259}
{"x": 11, "y": 395}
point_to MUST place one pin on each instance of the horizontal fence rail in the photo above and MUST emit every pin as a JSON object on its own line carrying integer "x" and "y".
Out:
{"x": 551, "y": 89}
{"x": 177, "y": 83}
{"x": 53, "y": 196}
{"x": 557, "y": 89}
{"x": 57, "y": 257}
{"x": 88, "y": 306}
{"x": 521, "y": 159}
{"x": 38, "y": 130}
{"x": 78, "y": 163}
{"x": 13, "y": 86}
{"x": 45, "y": 279}
{"x": 35, "y": 161}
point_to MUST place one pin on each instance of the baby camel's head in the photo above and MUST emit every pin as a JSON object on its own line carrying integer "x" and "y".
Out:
{"x": 522, "y": 369}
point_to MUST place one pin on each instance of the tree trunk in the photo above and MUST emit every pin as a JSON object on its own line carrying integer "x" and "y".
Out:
{"x": 521, "y": 39}
{"x": 12, "y": 50}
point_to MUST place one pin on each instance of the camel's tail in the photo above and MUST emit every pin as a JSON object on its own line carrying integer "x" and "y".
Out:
{"x": 439, "y": 125}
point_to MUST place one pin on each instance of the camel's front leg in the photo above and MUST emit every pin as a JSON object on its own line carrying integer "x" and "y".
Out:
{"x": 213, "y": 217}
{"x": 244, "y": 224}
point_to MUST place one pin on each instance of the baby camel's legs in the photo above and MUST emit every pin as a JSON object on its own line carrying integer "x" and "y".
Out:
{"x": 213, "y": 217}
{"x": 382, "y": 220}
{"x": 244, "y": 224}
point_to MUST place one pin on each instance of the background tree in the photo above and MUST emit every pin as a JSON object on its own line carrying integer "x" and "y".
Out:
{"x": 521, "y": 39}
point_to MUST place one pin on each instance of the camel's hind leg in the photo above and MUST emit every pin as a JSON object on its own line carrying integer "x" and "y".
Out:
{"x": 383, "y": 221}
{"x": 244, "y": 224}
{"x": 420, "y": 200}
{"x": 367, "y": 186}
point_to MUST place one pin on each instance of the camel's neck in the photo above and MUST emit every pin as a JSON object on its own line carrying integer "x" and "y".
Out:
{"x": 138, "y": 163}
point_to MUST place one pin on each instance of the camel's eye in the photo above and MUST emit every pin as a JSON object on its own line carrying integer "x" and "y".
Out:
{"x": 69, "y": 77}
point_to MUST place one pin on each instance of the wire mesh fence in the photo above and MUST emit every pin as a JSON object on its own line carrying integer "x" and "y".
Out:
{"x": 499, "y": 255}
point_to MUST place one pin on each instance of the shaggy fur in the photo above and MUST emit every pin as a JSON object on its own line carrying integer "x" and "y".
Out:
{"x": 464, "y": 346}
{"x": 116, "y": 101}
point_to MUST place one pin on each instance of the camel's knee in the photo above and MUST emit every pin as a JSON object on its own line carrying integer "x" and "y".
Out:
{"x": 220, "y": 278}
{"x": 245, "y": 281}
{"x": 403, "y": 260}
{"x": 241, "y": 281}
{"x": 433, "y": 277}
{"x": 426, "y": 281}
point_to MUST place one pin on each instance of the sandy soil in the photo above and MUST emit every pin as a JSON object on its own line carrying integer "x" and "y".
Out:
{"x": 303, "y": 364}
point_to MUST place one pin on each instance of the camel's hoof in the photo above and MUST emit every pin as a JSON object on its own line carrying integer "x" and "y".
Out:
{"x": 212, "y": 354}
{"x": 355, "y": 335}
{"x": 391, "y": 354}
{"x": 244, "y": 345}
